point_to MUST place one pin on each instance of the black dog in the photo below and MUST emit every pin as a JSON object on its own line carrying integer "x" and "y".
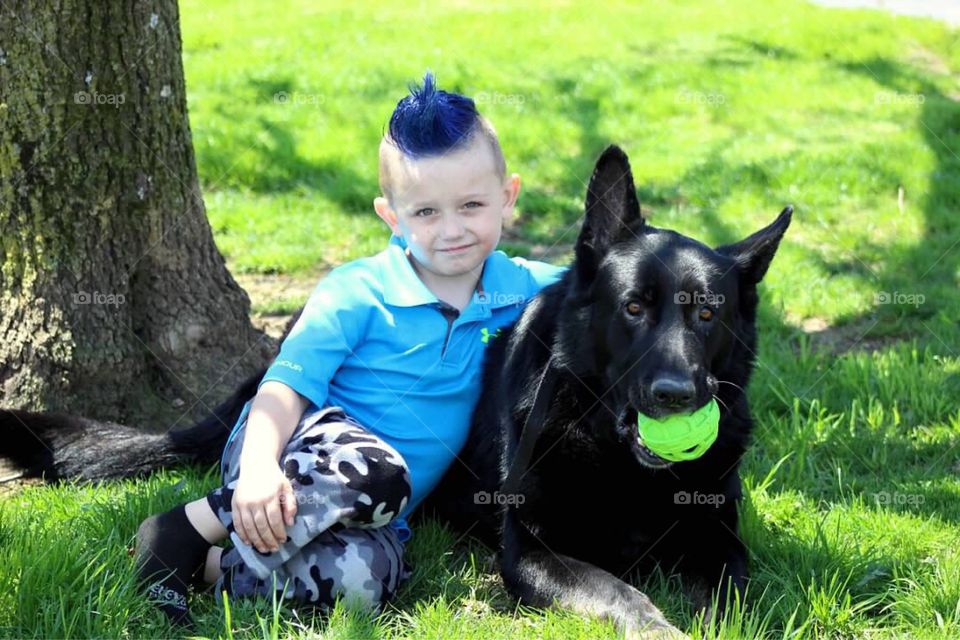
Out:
{"x": 646, "y": 320}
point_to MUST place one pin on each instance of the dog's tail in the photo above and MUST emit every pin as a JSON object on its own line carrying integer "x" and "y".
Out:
{"x": 60, "y": 447}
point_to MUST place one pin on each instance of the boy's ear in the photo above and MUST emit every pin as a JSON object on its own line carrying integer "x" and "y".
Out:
{"x": 382, "y": 206}
{"x": 512, "y": 192}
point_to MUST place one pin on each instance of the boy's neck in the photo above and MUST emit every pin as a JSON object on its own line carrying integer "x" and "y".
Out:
{"x": 456, "y": 291}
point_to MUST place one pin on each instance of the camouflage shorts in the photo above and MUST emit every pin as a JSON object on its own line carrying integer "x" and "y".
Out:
{"x": 348, "y": 485}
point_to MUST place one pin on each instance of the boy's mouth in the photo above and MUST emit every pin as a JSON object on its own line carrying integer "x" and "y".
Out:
{"x": 456, "y": 249}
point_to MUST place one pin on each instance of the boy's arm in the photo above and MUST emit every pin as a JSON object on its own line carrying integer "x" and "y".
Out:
{"x": 274, "y": 415}
{"x": 263, "y": 497}
{"x": 330, "y": 326}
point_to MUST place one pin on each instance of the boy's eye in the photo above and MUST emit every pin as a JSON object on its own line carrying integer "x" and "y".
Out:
{"x": 473, "y": 204}
{"x": 426, "y": 211}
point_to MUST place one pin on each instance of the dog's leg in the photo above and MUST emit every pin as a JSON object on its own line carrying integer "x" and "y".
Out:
{"x": 722, "y": 572}
{"x": 541, "y": 578}
{"x": 725, "y": 583}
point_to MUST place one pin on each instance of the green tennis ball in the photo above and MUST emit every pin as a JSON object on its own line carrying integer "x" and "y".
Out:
{"x": 681, "y": 437}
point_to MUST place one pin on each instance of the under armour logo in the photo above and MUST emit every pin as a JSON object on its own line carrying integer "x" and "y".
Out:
{"x": 485, "y": 335}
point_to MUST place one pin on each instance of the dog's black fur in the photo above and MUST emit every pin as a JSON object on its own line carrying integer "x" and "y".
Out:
{"x": 645, "y": 320}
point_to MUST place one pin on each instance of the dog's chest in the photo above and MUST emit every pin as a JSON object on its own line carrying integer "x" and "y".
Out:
{"x": 578, "y": 499}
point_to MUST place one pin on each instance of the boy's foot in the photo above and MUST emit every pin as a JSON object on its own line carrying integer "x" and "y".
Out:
{"x": 170, "y": 556}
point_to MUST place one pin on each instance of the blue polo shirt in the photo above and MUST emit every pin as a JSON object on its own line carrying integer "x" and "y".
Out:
{"x": 374, "y": 340}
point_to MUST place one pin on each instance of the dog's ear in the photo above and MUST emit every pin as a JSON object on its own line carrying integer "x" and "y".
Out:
{"x": 612, "y": 210}
{"x": 754, "y": 253}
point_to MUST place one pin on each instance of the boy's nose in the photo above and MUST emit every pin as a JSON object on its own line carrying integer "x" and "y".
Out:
{"x": 452, "y": 227}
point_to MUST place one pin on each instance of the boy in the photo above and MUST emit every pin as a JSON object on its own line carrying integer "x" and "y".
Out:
{"x": 370, "y": 397}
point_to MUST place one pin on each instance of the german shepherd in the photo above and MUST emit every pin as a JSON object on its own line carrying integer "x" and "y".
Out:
{"x": 648, "y": 321}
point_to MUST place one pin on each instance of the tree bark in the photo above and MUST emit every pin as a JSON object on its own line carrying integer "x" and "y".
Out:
{"x": 114, "y": 300}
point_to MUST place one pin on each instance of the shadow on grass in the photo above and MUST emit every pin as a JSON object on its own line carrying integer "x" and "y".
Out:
{"x": 928, "y": 267}
{"x": 263, "y": 156}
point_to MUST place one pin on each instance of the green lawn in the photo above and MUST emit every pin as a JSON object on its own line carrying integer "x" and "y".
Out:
{"x": 728, "y": 110}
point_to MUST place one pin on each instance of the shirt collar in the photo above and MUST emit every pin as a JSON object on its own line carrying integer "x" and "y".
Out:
{"x": 402, "y": 287}
{"x": 501, "y": 283}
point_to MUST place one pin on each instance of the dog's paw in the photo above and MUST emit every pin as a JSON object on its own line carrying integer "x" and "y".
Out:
{"x": 659, "y": 632}
{"x": 645, "y": 620}
{"x": 654, "y": 627}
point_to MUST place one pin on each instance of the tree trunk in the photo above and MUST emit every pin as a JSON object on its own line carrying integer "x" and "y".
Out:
{"x": 114, "y": 301}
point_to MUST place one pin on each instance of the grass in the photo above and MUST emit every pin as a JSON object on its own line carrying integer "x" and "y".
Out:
{"x": 728, "y": 111}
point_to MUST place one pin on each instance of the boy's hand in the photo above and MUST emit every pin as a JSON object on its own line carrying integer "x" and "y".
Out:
{"x": 262, "y": 500}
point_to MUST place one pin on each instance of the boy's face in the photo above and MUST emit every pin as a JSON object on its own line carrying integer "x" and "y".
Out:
{"x": 449, "y": 208}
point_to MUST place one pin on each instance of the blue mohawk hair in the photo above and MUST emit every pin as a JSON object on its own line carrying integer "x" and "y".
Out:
{"x": 430, "y": 121}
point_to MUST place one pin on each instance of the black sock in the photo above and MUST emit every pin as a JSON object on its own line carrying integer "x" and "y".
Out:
{"x": 168, "y": 542}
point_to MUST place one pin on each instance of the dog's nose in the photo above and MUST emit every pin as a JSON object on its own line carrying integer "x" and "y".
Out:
{"x": 673, "y": 391}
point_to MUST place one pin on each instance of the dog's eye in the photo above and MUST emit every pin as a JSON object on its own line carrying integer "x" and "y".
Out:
{"x": 634, "y": 308}
{"x": 706, "y": 314}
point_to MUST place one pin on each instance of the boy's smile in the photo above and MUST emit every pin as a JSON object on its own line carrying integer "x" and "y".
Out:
{"x": 450, "y": 210}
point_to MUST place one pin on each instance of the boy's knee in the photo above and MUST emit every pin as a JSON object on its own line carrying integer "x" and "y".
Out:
{"x": 385, "y": 479}
{"x": 384, "y": 466}
{"x": 354, "y": 470}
